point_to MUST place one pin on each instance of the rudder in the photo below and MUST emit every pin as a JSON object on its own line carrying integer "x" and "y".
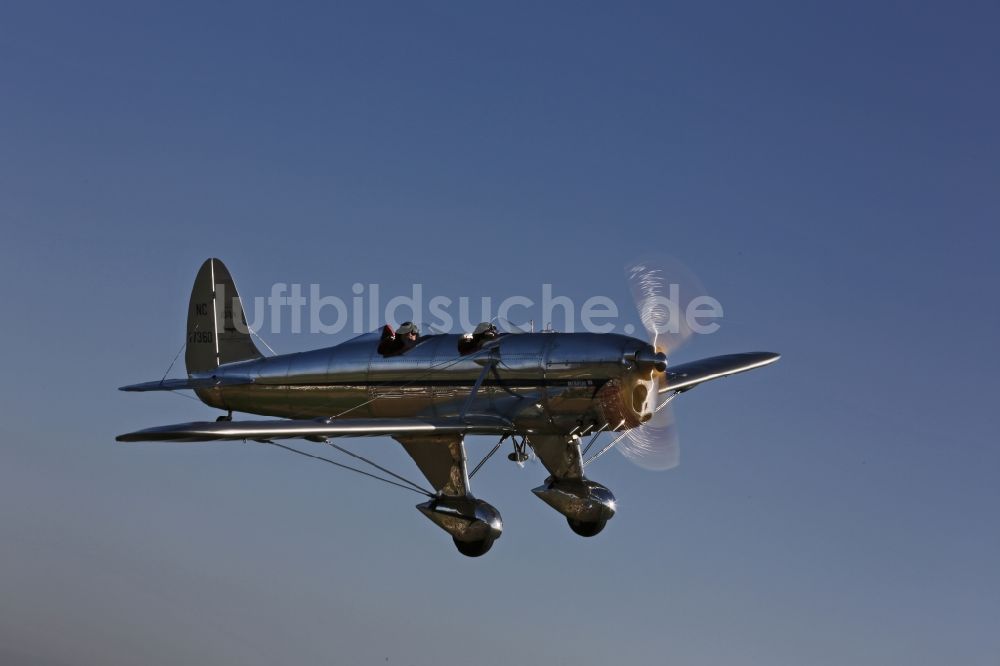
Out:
{"x": 217, "y": 331}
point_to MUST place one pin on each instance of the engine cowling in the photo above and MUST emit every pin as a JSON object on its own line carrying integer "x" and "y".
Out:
{"x": 628, "y": 400}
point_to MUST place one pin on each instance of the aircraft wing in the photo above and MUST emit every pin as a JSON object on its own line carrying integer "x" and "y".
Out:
{"x": 210, "y": 431}
{"x": 689, "y": 375}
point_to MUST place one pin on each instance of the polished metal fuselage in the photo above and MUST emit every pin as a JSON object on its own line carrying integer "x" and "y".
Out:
{"x": 540, "y": 382}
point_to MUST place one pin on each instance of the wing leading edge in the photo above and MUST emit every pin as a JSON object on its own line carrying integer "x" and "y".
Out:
{"x": 210, "y": 431}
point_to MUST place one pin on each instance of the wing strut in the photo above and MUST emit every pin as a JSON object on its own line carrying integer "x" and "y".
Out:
{"x": 487, "y": 456}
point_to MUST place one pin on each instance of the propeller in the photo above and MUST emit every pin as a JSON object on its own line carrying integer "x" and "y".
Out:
{"x": 662, "y": 288}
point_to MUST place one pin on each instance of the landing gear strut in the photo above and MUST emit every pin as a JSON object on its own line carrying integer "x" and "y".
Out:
{"x": 586, "y": 504}
{"x": 472, "y": 523}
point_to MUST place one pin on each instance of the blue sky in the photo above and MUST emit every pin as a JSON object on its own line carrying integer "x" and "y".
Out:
{"x": 829, "y": 172}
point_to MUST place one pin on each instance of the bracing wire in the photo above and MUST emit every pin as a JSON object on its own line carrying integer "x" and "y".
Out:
{"x": 378, "y": 467}
{"x": 624, "y": 434}
{"x": 412, "y": 487}
{"x": 598, "y": 434}
{"x": 262, "y": 341}
{"x": 605, "y": 449}
{"x": 171, "y": 366}
{"x": 185, "y": 395}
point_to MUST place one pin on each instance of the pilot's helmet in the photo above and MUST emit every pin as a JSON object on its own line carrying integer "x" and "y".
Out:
{"x": 406, "y": 328}
{"x": 486, "y": 328}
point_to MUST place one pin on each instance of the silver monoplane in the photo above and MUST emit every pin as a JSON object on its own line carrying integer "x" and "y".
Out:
{"x": 546, "y": 392}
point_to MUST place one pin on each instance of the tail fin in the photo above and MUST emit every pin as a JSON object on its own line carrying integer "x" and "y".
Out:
{"x": 217, "y": 331}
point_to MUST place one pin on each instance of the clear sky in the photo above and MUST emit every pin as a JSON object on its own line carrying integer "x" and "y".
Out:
{"x": 829, "y": 171}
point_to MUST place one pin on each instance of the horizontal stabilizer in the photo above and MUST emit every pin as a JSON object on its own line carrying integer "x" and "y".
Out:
{"x": 191, "y": 383}
{"x": 209, "y": 431}
{"x": 688, "y": 375}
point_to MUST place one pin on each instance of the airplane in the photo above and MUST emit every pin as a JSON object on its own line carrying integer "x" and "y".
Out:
{"x": 542, "y": 390}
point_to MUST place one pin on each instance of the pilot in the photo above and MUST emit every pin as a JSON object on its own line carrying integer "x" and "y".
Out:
{"x": 393, "y": 343}
{"x": 485, "y": 331}
{"x": 470, "y": 342}
{"x": 408, "y": 334}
